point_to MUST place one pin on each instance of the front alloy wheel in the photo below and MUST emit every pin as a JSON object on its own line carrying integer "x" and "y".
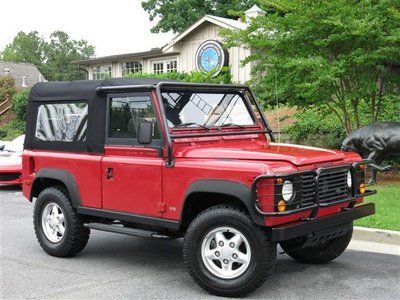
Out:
{"x": 226, "y": 252}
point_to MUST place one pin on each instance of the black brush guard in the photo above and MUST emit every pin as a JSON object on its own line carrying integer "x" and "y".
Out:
{"x": 321, "y": 228}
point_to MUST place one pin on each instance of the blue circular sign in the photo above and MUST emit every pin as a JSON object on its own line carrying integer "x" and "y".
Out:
{"x": 210, "y": 56}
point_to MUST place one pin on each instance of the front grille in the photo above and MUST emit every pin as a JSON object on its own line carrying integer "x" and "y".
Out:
{"x": 307, "y": 190}
{"x": 332, "y": 186}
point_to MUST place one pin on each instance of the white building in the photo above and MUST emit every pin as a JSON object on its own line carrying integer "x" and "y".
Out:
{"x": 197, "y": 48}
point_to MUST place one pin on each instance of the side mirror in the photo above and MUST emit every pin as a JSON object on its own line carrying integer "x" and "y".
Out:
{"x": 2, "y": 147}
{"x": 145, "y": 132}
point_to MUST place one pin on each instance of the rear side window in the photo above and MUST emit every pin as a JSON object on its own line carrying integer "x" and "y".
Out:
{"x": 64, "y": 122}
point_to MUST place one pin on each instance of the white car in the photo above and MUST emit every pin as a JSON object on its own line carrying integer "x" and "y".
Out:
{"x": 11, "y": 161}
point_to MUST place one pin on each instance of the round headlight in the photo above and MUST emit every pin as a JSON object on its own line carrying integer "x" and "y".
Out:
{"x": 287, "y": 190}
{"x": 349, "y": 179}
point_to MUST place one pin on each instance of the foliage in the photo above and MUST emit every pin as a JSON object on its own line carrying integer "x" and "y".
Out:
{"x": 177, "y": 15}
{"x": 316, "y": 127}
{"x": 52, "y": 58}
{"x": 12, "y": 130}
{"x": 223, "y": 77}
{"x": 20, "y": 103}
{"x": 60, "y": 52}
{"x": 7, "y": 88}
{"x": 338, "y": 54}
{"x": 25, "y": 47}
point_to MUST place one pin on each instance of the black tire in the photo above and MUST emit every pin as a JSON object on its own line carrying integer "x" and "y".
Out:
{"x": 263, "y": 252}
{"x": 75, "y": 236}
{"x": 323, "y": 253}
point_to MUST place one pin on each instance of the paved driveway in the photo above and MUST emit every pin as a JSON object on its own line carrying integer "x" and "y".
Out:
{"x": 114, "y": 266}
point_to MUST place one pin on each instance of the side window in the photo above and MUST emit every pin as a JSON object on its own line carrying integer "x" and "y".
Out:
{"x": 125, "y": 114}
{"x": 65, "y": 122}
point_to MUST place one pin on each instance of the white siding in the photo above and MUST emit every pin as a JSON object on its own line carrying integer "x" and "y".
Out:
{"x": 188, "y": 47}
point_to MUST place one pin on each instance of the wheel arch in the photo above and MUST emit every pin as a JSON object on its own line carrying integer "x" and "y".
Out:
{"x": 205, "y": 193}
{"x": 50, "y": 177}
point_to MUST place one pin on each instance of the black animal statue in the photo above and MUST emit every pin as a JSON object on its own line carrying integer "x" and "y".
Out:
{"x": 377, "y": 141}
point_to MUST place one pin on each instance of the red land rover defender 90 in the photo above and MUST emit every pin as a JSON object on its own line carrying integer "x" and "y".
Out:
{"x": 168, "y": 160}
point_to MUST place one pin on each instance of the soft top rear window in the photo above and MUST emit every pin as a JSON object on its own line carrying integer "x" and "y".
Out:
{"x": 62, "y": 122}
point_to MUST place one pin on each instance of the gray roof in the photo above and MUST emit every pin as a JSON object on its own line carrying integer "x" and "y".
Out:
{"x": 154, "y": 51}
{"x": 19, "y": 71}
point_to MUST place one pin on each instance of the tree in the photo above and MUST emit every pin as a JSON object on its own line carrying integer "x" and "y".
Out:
{"x": 60, "y": 51}
{"x": 343, "y": 55}
{"x": 25, "y": 47}
{"x": 53, "y": 58}
{"x": 177, "y": 15}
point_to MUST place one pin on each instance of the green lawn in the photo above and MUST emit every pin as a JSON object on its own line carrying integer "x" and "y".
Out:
{"x": 387, "y": 206}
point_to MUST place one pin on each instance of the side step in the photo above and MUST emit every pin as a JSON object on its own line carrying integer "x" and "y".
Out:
{"x": 126, "y": 230}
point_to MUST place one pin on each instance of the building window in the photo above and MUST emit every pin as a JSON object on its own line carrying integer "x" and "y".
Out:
{"x": 172, "y": 65}
{"x": 131, "y": 67}
{"x": 66, "y": 122}
{"x": 102, "y": 72}
{"x": 158, "y": 67}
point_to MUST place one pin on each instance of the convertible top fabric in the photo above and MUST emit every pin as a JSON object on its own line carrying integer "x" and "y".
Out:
{"x": 65, "y": 90}
{"x": 73, "y": 91}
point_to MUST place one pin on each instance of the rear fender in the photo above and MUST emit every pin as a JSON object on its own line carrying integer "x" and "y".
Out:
{"x": 61, "y": 175}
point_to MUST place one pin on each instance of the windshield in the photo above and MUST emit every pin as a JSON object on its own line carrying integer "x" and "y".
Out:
{"x": 198, "y": 109}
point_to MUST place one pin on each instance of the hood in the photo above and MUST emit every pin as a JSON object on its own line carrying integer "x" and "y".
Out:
{"x": 295, "y": 154}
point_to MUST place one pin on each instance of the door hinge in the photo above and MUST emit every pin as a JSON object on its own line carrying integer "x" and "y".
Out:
{"x": 161, "y": 207}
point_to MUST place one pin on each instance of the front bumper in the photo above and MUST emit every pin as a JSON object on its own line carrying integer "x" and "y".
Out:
{"x": 309, "y": 227}
{"x": 10, "y": 176}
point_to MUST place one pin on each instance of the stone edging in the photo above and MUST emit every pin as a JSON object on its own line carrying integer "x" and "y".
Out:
{"x": 376, "y": 235}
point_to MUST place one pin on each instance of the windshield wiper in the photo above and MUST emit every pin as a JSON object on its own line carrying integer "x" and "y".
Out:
{"x": 231, "y": 124}
{"x": 191, "y": 124}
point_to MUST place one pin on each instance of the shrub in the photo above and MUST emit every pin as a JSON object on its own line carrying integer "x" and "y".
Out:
{"x": 20, "y": 103}
{"x": 197, "y": 77}
{"x": 316, "y": 127}
{"x": 12, "y": 130}
{"x": 7, "y": 88}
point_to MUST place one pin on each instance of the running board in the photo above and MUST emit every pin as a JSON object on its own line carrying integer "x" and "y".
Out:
{"x": 127, "y": 231}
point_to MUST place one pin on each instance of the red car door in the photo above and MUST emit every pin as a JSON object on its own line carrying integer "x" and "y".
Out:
{"x": 131, "y": 180}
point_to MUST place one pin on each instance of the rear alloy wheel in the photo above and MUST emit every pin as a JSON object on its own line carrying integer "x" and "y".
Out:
{"x": 53, "y": 222}
{"x": 59, "y": 229}
{"x": 226, "y": 254}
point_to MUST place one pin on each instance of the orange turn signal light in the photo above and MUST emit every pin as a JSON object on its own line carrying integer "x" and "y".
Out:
{"x": 281, "y": 206}
{"x": 361, "y": 189}
{"x": 279, "y": 180}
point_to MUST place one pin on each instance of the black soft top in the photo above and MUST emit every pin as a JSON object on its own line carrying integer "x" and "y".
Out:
{"x": 83, "y": 89}
{"x": 80, "y": 90}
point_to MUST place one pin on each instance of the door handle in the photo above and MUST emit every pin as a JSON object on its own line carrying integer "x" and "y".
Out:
{"x": 109, "y": 173}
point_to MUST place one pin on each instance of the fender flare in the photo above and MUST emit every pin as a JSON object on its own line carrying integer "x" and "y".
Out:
{"x": 225, "y": 187}
{"x": 65, "y": 177}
